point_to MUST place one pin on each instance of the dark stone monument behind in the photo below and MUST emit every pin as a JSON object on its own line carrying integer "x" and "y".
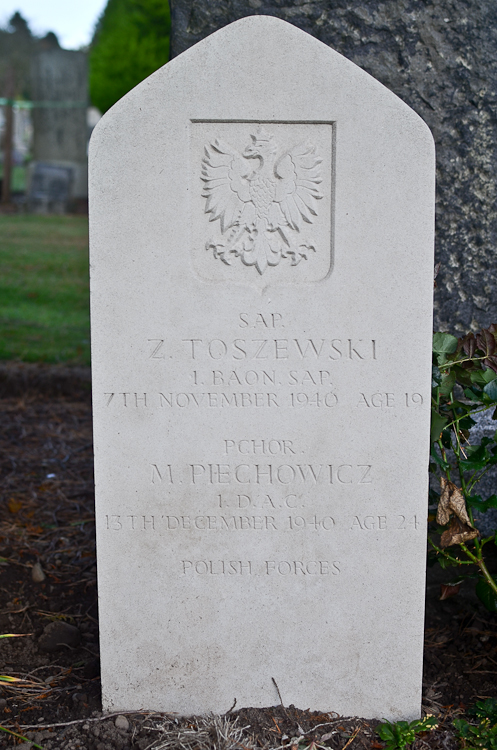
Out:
{"x": 59, "y": 80}
{"x": 441, "y": 59}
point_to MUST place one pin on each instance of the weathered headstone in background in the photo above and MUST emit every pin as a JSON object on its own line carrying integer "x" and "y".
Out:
{"x": 441, "y": 59}
{"x": 60, "y": 87}
{"x": 50, "y": 188}
{"x": 261, "y": 217}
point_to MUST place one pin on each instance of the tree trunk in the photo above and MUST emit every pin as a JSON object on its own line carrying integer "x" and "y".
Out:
{"x": 8, "y": 138}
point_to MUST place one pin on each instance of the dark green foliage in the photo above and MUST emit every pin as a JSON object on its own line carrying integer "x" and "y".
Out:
{"x": 131, "y": 41}
{"x": 486, "y": 709}
{"x": 482, "y": 734}
{"x": 397, "y": 735}
{"x": 16, "y": 46}
{"x": 464, "y": 384}
{"x": 487, "y": 595}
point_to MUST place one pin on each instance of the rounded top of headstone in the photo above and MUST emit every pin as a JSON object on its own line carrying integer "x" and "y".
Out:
{"x": 265, "y": 63}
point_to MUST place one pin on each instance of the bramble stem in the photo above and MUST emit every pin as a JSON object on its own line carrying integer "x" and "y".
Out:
{"x": 460, "y": 361}
{"x": 449, "y": 557}
{"x": 484, "y": 570}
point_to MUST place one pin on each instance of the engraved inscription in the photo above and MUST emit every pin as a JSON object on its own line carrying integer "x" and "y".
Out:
{"x": 259, "y": 447}
{"x": 369, "y": 523}
{"x": 261, "y": 198}
{"x": 268, "y": 567}
{"x": 236, "y": 399}
{"x": 259, "y": 501}
{"x": 156, "y": 349}
{"x": 405, "y": 522}
{"x": 217, "y": 567}
{"x": 280, "y": 474}
{"x": 219, "y": 400}
{"x": 260, "y": 320}
{"x": 297, "y": 567}
{"x": 324, "y": 524}
{"x": 276, "y": 349}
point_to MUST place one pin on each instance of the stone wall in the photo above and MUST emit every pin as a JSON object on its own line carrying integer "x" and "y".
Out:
{"x": 441, "y": 59}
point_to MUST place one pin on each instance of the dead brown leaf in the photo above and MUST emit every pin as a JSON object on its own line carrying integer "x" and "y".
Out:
{"x": 457, "y": 533}
{"x": 448, "y": 589}
{"x": 14, "y": 505}
{"x": 468, "y": 344}
{"x": 451, "y": 501}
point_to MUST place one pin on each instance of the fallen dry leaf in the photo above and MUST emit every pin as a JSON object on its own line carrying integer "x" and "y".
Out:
{"x": 457, "y": 533}
{"x": 448, "y": 589}
{"x": 451, "y": 501}
{"x": 14, "y": 505}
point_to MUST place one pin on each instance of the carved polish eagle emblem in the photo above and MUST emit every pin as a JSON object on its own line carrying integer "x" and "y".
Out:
{"x": 261, "y": 198}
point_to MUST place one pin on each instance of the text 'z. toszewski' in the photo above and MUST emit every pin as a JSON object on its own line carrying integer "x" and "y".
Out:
{"x": 263, "y": 204}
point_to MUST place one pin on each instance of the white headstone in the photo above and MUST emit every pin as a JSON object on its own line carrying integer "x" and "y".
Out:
{"x": 261, "y": 261}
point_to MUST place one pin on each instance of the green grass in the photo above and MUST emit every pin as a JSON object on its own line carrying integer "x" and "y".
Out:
{"x": 44, "y": 296}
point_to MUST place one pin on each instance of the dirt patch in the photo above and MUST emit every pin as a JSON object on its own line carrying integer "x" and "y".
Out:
{"x": 34, "y": 380}
{"x": 48, "y": 590}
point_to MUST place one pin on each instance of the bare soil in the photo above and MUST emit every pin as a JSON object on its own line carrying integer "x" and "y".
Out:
{"x": 47, "y": 531}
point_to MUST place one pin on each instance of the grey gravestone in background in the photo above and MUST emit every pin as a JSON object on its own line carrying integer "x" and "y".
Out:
{"x": 60, "y": 79}
{"x": 441, "y": 59}
{"x": 50, "y": 188}
{"x": 261, "y": 217}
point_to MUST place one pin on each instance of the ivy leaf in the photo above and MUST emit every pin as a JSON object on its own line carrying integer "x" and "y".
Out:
{"x": 462, "y": 406}
{"x": 479, "y": 457}
{"x": 470, "y": 393}
{"x": 437, "y": 424}
{"x": 447, "y": 438}
{"x": 486, "y": 595}
{"x": 444, "y": 343}
{"x": 473, "y": 464}
{"x": 466, "y": 423}
{"x": 478, "y": 451}
{"x": 444, "y": 465}
{"x": 482, "y": 505}
{"x": 448, "y": 383}
{"x": 478, "y": 377}
{"x": 488, "y": 375}
{"x": 491, "y": 389}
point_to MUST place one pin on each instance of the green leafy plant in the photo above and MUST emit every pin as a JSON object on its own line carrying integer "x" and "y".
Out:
{"x": 483, "y": 732}
{"x": 397, "y": 735}
{"x": 464, "y": 384}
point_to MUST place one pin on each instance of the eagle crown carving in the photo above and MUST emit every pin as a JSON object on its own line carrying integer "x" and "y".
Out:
{"x": 261, "y": 199}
